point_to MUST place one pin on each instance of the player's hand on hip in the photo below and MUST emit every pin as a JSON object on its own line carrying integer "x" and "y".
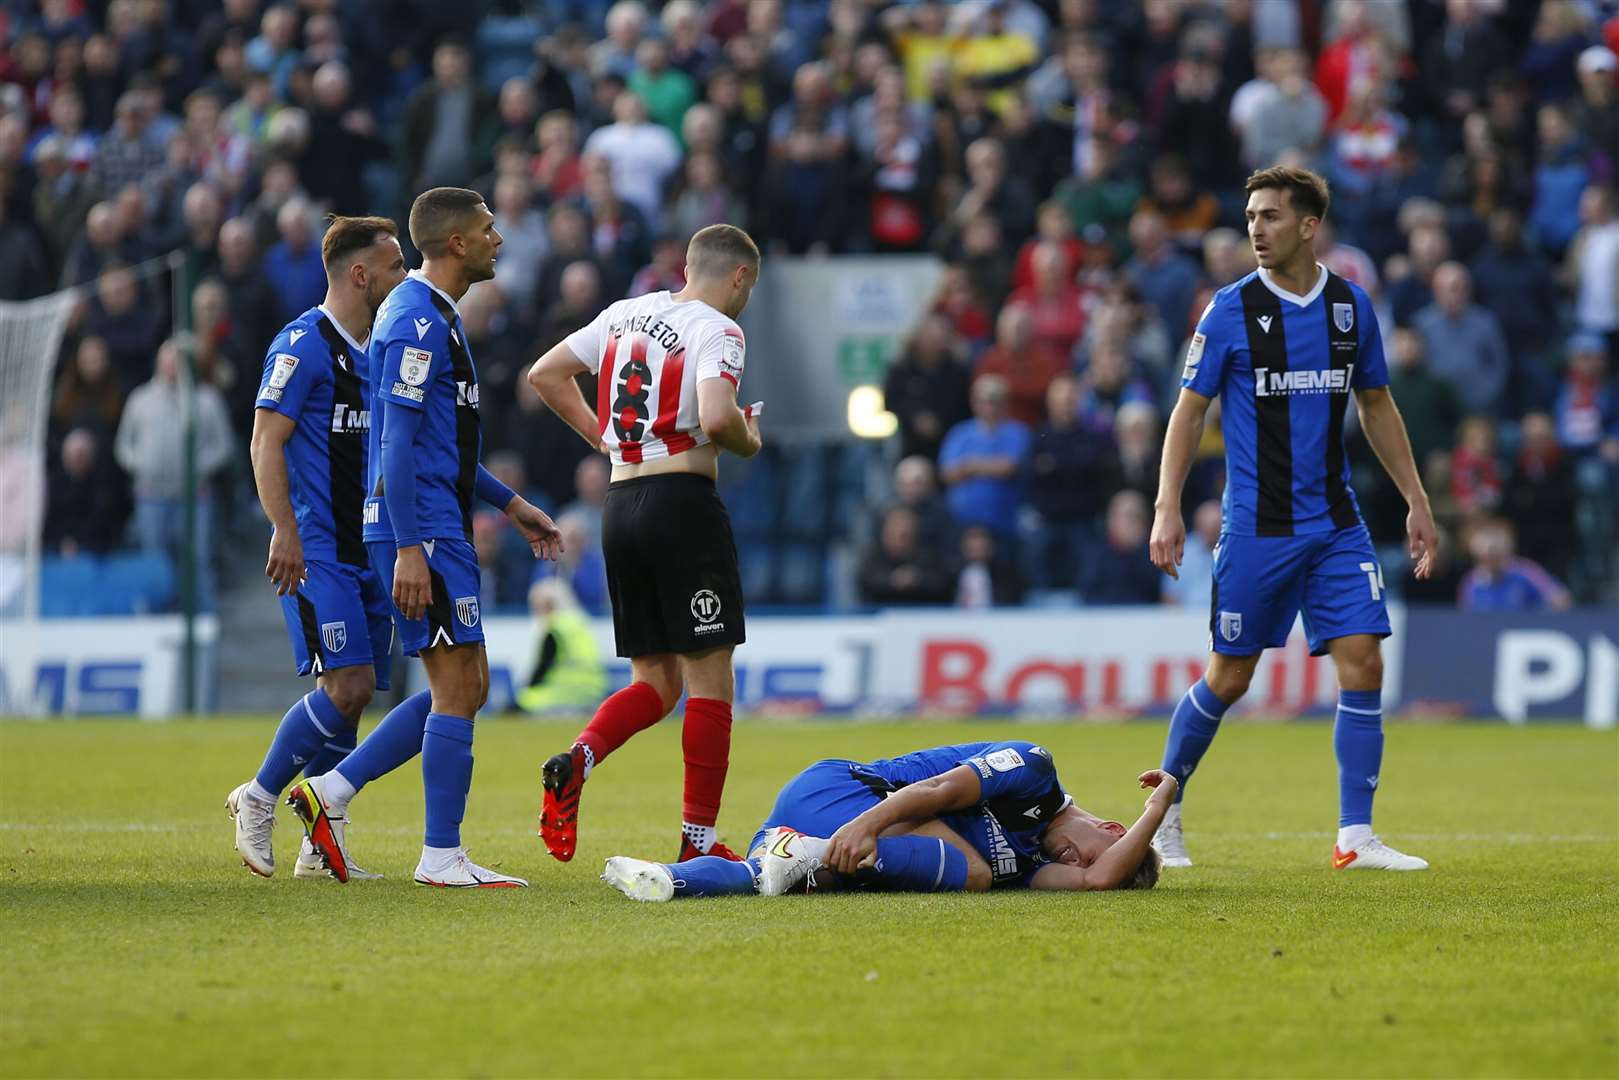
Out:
{"x": 852, "y": 848}
{"x": 537, "y": 529}
{"x": 1168, "y": 541}
{"x": 285, "y": 566}
{"x": 413, "y": 589}
{"x": 1424, "y": 538}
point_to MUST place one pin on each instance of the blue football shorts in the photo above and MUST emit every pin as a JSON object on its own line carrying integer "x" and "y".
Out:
{"x": 339, "y": 617}
{"x": 1261, "y": 583}
{"x": 452, "y": 616}
{"x": 820, "y": 800}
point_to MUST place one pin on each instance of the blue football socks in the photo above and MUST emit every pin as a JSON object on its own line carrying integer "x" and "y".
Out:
{"x": 1357, "y": 739}
{"x": 710, "y": 875}
{"x": 1191, "y": 730}
{"x": 446, "y": 777}
{"x": 311, "y": 721}
{"x": 916, "y": 864}
{"x": 392, "y": 743}
{"x": 333, "y": 751}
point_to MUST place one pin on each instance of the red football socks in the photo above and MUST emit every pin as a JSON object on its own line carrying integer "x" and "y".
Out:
{"x": 632, "y": 709}
{"x": 706, "y": 740}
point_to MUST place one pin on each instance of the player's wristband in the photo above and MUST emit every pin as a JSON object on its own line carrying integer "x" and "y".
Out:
{"x": 399, "y": 428}
{"x": 489, "y": 489}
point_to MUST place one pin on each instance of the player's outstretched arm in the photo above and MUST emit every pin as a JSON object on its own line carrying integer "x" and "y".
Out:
{"x": 854, "y": 846}
{"x": 553, "y": 378}
{"x": 285, "y": 566}
{"x": 1385, "y": 429}
{"x": 723, "y": 421}
{"x": 1118, "y": 863}
{"x": 1181, "y": 437}
{"x": 533, "y": 524}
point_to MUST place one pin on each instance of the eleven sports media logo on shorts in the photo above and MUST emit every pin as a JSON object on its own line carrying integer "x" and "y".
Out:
{"x": 705, "y": 608}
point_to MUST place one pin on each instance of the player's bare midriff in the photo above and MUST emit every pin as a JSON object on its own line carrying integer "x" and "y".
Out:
{"x": 702, "y": 460}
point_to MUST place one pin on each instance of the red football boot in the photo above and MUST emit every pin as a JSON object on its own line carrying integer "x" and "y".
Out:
{"x": 689, "y": 850}
{"x": 563, "y": 780}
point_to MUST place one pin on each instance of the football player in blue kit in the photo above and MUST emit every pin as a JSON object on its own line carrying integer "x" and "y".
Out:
{"x": 969, "y": 818}
{"x": 426, "y": 439}
{"x": 309, "y": 448}
{"x": 1285, "y": 348}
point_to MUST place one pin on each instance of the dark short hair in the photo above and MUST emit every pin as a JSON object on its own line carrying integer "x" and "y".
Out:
{"x": 1145, "y": 875}
{"x": 346, "y": 236}
{"x": 719, "y": 249}
{"x": 437, "y": 213}
{"x": 1307, "y": 190}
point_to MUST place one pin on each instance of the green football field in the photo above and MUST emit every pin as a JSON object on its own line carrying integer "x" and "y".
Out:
{"x": 136, "y": 944}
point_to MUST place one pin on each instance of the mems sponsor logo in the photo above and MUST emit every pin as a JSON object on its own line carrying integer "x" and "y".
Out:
{"x": 1268, "y": 383}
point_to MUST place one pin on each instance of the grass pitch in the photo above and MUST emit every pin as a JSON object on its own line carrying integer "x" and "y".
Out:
{"x": 137, "y": 945}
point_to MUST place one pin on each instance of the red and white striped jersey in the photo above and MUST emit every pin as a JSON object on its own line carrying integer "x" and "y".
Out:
{"x": 648, "y": 355}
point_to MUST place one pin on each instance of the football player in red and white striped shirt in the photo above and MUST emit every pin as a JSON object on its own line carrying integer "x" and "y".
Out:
{"x": 667, "y": 368}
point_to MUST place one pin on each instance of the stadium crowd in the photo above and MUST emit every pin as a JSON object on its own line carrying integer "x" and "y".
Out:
{"x": 1075, "y": 164}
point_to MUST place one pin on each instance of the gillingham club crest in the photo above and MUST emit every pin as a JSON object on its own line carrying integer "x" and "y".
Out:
{"x": 1343, "y": 317}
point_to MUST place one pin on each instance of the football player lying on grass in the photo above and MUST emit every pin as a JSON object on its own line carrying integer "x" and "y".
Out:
{"x": 971, "y": 817}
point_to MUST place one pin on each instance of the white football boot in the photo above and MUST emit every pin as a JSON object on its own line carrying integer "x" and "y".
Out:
{"x": 460, "y": 872}
{"x": 254, "y": 822}
{"x": 639, "y": 879}
{"x": 311, "y": 865}
{"x": 787, "y": 857}
{"x": 1171, "y": 841}
{"x": 1373, "y": 854}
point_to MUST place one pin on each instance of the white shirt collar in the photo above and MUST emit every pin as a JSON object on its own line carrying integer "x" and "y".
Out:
{"x": 355, "y": 345}
{"x": 1302, "y": 301}
{"x": 421, "y": 277}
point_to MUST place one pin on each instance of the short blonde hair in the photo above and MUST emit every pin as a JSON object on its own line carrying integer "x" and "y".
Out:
{"x": 717, "y": 250}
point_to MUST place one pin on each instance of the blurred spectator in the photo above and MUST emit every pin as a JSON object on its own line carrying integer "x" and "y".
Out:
{"x": 89, "y": 394}
{"x": 1346, "y": 260}
{"x": 1559, "y": 36}
{"x": 1365, "y": 140}
{"x": 88, "y": 505}
{"x": 218, "y": 153}
{"x": 986, "y": 577}
{"x": 1186, "y": 211}
{"x": 1194, "y": 582}
{"x": 615, "y": 54}
{"x": 996, "y": 54}
{"x": 1054, "y": 309}
{"x": 897, "y": 174}
{"x": 1539, "y": 497}
{"x": 1593, "y": 265}
{"x": 250, "y": 297}
{"x": 809, "y": 138}
{"x": 986, "y": 259}
{"x": 1027, "y": 363}
{"x": 1108, "y": 385}
{"x": 1119, "y": 571}
{"x": 293, "y": 264}
{"x": 558, "y": 171}
{"x": 619, "y": 231}
{"x": 1136, "y": 441}
{"x": 24, "y": 271}
{"x": 1596, "y": 111}
{"x": 129, "y": 327}
{"x": 982, "y": 460}
{"x": 550, "y": 449}
{"x": 1066, "y": 461}
{"x": 962, "y": 305}
{"x": 579, "y": 299}
{"x": 1587, "y": 407}
{"x": 63, "y": 196}
{"x": 705, "y": 198}
{"x": 580, "y": 565}
{"x": 1281, "y": 110}
{"x": 343, "y": 140}
{"x": 926, "y": 388}
{"x": 130, "y": 150}
{"x": 899, "y": 569}
{"x": 667, "y": 90}
{"x": 568, "y": 234}
{"x": 1409, "y": 278}
{"x": 1502, "y": 580}
{"x": 567, "y": 674}
{"x": 1192, "y": 121}
{"x": 1053, "y": 225}
{"x": 916, "y": 488}
{"x": 522, "y": 228}
{"x": 642, "y": 154}
{"x": 1516, "y": 284}
{"x": 1164, "y": 277}
{"x": 590, "y": 480}
{"x": 517, "y": 110}
{"x": 689, "y": 49}
{"x": 666, "y": 271}
{"x": 77, "y": 145}
{"x": 990, "y": 188}
{"x": 250, "y": 115}
{"x": 1560, "y": 176}
{"x": 1460, "y": 58}
{"x": 1428, "y": 403}
{"x": 151, "y": 448}
{"x": 450, "y": 123}
{"x": 1475, "y": 475}
{"x": 275, "y": 50}
{"x": 1465, "y": 343}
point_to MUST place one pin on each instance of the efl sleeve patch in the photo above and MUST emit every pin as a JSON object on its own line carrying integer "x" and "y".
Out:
{"x": 1194, "y": 355}
{"x": 1004, "y": 760}
{"x": 731, "y": 352}
{"x": 281, "y": 373}
{"x": 414, "y": 365}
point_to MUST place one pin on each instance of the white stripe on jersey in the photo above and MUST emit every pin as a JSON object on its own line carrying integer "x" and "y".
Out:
{"x": 648, "y": 355}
